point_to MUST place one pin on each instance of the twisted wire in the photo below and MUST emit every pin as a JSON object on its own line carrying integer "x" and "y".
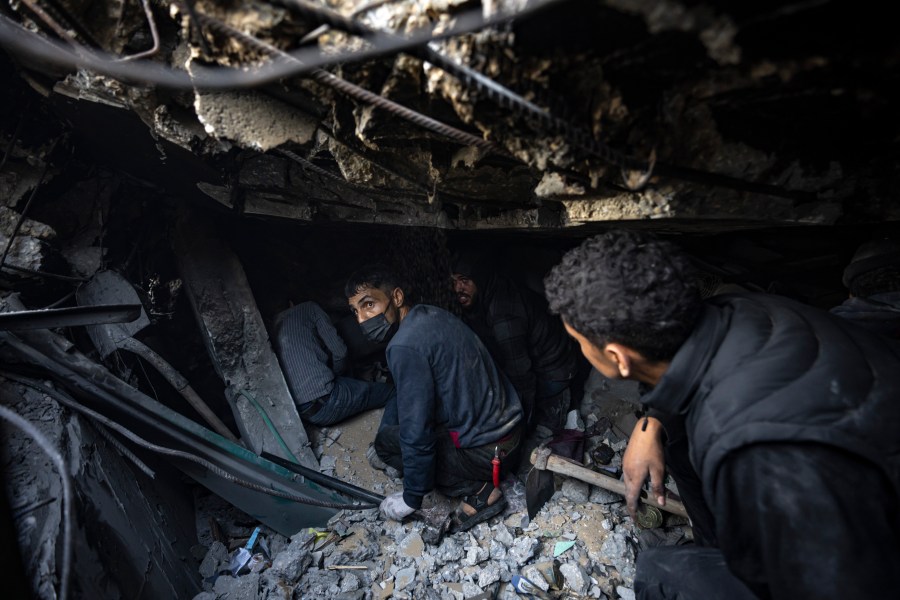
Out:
{"x": 351, "y": 89}
{"x": 506, "y": 98}
{"x": 472, "y": 79}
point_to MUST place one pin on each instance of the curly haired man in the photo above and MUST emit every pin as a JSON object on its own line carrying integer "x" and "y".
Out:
{"x": 779, "y": 423}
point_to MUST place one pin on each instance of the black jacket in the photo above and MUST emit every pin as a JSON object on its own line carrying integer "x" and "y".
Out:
{"x": 763, "y": 380}
{"x": 528, "y": 343}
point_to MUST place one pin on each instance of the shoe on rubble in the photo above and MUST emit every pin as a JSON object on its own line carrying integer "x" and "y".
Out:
{"x": 477, "y": 508}
{"x": 374, "y": 460}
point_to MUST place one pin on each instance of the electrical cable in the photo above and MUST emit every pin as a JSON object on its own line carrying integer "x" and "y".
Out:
{"x": 43, "y": 50}
{"x": 215, "y": 469}
{"x": 269, "y": 424}
{"x": 31, "y": 431}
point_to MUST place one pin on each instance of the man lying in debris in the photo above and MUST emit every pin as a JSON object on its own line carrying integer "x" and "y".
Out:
{"x": 527, "y": 342}
{"x": 314, "y": 358}
{"x": 789, "y": 455}
{"x": 456, "y": 411}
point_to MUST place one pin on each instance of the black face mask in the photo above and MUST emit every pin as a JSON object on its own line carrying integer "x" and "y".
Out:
{"x": 378, "y": 329}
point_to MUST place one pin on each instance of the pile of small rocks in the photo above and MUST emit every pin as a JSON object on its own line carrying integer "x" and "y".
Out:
{"x": 582, "y": 544}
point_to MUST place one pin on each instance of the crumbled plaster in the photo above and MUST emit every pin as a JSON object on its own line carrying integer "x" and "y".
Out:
{"x": 252, "y": 120}
{"x": 647, "y": 204}
{"x": 553, "y": 184}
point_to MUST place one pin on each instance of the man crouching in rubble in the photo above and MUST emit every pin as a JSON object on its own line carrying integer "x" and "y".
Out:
{"x": 780, "y": 424}
{"x": 455, "y": 409}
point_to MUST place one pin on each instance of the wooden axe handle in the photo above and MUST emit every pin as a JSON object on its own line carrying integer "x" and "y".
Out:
{"x": 566, "y": 466}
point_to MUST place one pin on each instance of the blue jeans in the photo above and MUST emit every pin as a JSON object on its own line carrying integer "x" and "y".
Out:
{"x": 351, "y": 397}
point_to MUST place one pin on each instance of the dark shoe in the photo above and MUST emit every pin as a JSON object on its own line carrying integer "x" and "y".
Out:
{"x": 477, "y": 508}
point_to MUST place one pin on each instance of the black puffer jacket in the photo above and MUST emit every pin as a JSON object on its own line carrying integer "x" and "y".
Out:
{"x": 761, "y": 368}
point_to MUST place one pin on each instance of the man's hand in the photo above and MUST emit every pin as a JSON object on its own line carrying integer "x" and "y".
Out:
{"x": 644, "y": 458}
{"x": 394, "y": 508}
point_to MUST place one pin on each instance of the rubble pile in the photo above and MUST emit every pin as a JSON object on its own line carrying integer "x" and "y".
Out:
{"x": 582, "y": 544}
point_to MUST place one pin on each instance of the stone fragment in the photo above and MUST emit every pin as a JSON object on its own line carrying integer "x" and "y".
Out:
{"x": 601, "y": 496}
{"x": 476, "y": 554}
{"x": 522, "y": 550}
{"x": 217, "y": 554}
{"x": 205, "y": 596}
{"x": 448, "y": 551}
{"x": 404, "y": 578}
{"x": 576, "y": 579}
{"x": 293, "y": 561}
{"x": 327, "y": 465}
{"x": 412, "y": 546}
{"x": 349, "y": 582}
{"x": 470, "y": 589}
{"x": 497, "y": 550}
{"x": 576, "y": 491}
{"x": 625, "y": 593}
{"x": 534, "y": 575}
{"x": 503, "y": 535}
{"x": 489, "y": 574}
{"x": 237, "y": 588}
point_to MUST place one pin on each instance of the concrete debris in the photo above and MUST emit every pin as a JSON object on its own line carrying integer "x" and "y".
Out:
{"x": 252, "y": 120}
{"x": 576, "y": 491}
{"x": 359, "y": 555}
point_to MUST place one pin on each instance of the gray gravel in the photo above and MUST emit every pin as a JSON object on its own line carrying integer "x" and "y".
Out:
{"x": 587, "y": 527}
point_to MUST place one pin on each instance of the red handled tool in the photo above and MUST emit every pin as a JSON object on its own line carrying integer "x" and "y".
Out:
{"x": 496, "y": 463}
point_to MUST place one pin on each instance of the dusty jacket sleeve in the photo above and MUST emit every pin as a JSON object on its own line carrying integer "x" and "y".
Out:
{"x": 807, "y": 521}
{"x": 416, "y": 405}
{"x": 333, "y": 342}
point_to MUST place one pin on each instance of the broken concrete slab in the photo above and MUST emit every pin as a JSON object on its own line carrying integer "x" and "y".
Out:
{"x": 238, "y": 343}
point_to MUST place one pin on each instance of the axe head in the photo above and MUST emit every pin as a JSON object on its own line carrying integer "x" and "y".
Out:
{"x": 539, "y": 487}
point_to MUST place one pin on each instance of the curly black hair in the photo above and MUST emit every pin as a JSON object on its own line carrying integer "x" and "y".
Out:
{"x": 627, "y": 287}
{"x": 377, "y": 276}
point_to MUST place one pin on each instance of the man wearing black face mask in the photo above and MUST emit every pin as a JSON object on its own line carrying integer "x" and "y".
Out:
{"x": 455, "y": 410}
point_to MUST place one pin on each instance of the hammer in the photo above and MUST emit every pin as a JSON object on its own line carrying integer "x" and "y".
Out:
{"x": 544, "y": 460}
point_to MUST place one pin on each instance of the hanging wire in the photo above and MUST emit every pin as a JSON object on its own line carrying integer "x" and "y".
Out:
{"x": 31, "y": 431}
{"x": 154, "y": 33}
{"x": 351, "y": 89}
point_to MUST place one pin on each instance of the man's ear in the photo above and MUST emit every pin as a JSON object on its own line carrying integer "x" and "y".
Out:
{"x": 398, "y": 297}
{"x": 622, "y": 356}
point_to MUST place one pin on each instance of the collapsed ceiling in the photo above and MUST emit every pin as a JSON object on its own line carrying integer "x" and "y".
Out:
{"x": 542, "y": 116}
{"x": 470, "y": 115}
